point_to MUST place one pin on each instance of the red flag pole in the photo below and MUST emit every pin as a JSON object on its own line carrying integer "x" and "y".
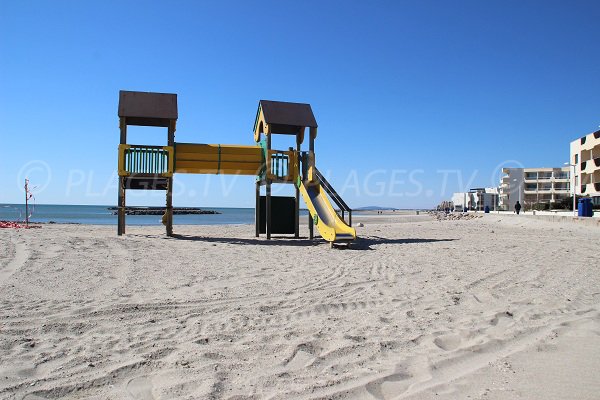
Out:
{"x": 26, "y": 202}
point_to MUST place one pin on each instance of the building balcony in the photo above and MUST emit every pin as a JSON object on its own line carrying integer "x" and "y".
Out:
{"x": 589, "y": 142}
{"x": 586, "y": 178}
{"x": 591, "y": 165}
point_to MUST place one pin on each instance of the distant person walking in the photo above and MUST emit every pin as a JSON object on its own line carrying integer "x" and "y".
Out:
{"x": 518, "y": 207}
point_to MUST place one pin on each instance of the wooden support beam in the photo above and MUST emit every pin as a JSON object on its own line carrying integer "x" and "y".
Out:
{"x": 311, "y": 149}
{"x": 123, "y": 129}
{"x": 257, "y": 211}
{"x": 121, "y": 208}
{"x": 297, "y": 204}
{"x": 121, "y": 201}
{"x": 169, "y": 210}
{"x": 268, "y": 210}
{"x": 268, "y": 190}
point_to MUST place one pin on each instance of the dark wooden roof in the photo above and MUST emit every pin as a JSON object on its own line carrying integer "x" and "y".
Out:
{"x": 281, "y": 113}
{"x": 147, "y": 108}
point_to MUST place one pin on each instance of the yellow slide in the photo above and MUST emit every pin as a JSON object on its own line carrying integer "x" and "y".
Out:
{"x": 329, "y": 224}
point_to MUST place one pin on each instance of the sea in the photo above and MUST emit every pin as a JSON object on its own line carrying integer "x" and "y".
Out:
{"x": 101, "y": 215}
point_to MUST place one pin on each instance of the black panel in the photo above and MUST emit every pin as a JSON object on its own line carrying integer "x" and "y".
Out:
{"x": 146, "y": 183}
{"x": 282, "y": 213}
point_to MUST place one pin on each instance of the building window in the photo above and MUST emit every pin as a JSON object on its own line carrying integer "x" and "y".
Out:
{"x": 576, "y": 158}
{"x": 530, "y": 176}
{"x": 561, "y": 175}
{"x": 544, "y": 175}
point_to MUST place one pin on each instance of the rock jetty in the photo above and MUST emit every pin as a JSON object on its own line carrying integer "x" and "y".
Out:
{"x": 161, "y": 211}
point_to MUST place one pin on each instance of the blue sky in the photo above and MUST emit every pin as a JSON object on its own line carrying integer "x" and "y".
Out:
{"x": 414, "y": 99}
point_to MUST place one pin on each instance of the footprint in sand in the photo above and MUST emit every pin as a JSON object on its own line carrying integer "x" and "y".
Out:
{"x": 448, "y": 342}
{"x": 140, "y": 388}
{"x": 410, "y": 372}
{"x": 303, "y": 355}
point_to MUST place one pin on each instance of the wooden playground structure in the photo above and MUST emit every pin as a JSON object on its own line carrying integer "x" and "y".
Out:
{"x": 144, "y": 167}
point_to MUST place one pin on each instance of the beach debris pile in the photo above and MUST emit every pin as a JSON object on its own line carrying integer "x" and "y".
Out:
{"x": 16, "y": 225}
{"x": 444, "y": 216}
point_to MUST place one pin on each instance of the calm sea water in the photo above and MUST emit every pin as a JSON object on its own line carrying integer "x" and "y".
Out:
{"x": 100, "y": 215}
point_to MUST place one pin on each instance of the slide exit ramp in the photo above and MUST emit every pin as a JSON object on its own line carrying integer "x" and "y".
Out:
{"x": 329, "y": 224}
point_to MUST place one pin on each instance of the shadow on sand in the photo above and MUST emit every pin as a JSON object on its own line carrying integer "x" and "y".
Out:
{"x": 365, "y": 243}
{"x": 361, "y": 243}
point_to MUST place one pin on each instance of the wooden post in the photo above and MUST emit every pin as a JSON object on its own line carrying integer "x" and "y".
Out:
{"x": 121, "y": 207}
{"x": 121, "y": 201}
{"x": 268, "y": 189}
{"x": 169, "y": 210}
{"x": 297, "y": 202}
{"x": 311, "y": 151}
{"x": 257, "y": 211}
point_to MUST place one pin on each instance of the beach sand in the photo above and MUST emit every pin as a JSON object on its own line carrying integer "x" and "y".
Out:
{"x": 498, "y": 307}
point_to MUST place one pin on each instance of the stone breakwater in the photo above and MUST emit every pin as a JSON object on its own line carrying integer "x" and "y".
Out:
{"x": 161, "y": 211}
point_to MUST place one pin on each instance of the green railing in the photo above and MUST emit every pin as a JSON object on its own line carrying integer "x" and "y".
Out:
{"x": 145, "y": 160}
{"x": 280, "y": 165}
{"x": 283, "y": 165}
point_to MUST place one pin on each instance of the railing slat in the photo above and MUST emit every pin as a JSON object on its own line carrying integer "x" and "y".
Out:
{"x": 151, "y": 160}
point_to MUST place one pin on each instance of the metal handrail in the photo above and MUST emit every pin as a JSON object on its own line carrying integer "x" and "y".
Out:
{"x": 337, "y": 199}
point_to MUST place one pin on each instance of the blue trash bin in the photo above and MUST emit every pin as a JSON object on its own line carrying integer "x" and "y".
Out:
{"x": 486, "y": 209}
{"x": 589, "y": 210}
{"x": 584, "y": 208}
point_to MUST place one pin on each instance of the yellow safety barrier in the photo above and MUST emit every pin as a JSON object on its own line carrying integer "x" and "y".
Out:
{"x": 217, "y": 159}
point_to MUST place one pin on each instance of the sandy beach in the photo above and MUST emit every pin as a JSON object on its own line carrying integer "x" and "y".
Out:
{"x": 498, "y": 307}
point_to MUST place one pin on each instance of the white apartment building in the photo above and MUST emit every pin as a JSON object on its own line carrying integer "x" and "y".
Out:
{"x": 531, "y": 186}
{"x": 585, "y": 157}
{"x": 476, "y": 199}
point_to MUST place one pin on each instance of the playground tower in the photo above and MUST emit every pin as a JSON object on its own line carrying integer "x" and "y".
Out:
{"x": 143, "y": 167}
